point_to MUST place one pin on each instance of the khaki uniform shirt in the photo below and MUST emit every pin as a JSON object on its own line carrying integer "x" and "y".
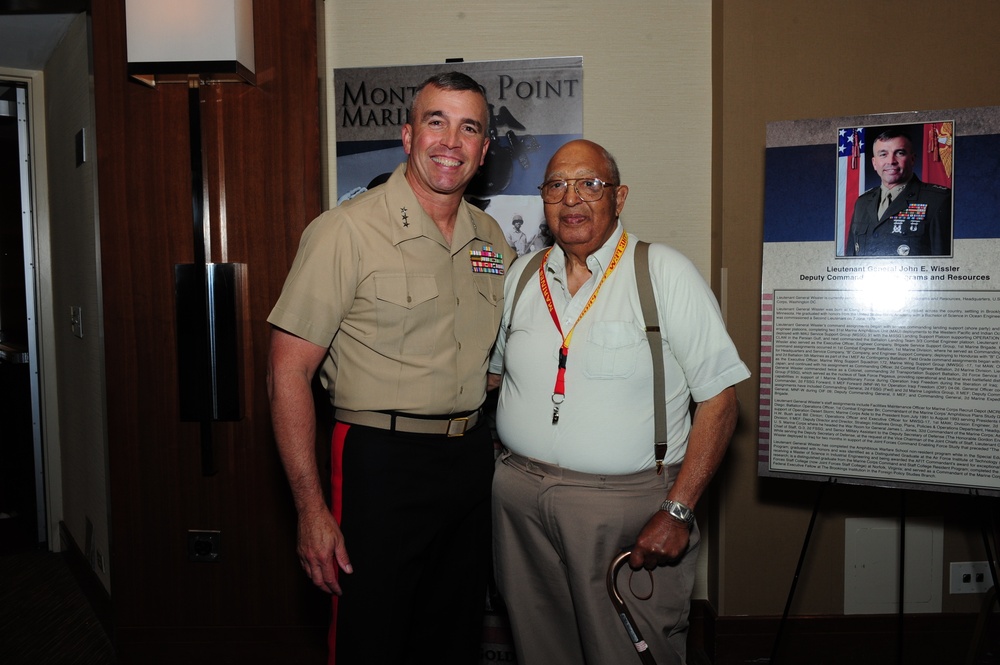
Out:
{"x": 409, "y": 322}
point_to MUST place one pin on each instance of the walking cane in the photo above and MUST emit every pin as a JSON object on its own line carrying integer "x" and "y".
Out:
{"x": 616, "y": 599}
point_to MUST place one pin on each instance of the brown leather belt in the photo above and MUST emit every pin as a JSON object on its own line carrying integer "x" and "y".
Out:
{"x": 397, "y": 422}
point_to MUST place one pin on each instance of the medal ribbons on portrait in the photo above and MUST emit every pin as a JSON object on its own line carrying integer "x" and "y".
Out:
{"x": 486, "y": 260}
{"x": 914, "y": 214}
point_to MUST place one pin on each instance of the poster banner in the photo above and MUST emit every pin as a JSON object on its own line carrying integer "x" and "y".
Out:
{"x": 535, "y": 106}
{"x": 880, "y": 301}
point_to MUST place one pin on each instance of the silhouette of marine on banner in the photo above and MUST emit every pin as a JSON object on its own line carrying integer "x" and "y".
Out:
{"x": 496, "y": 174}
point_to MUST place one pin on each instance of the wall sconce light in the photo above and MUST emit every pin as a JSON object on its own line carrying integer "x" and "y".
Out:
{"x": 172, "y": 40}
{"x": 202, "y": 43}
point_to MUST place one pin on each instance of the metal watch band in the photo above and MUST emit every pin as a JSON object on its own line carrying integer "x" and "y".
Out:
{"x": 678, "y": 511}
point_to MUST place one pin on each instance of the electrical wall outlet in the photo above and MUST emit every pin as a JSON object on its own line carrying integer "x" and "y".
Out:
{"x": 90, "y": 545}
{"x": 76, "y": 321}
{"x": 970, "y": 577}
{"x": 81, "y": 147}
{"x": 204, "y": 545}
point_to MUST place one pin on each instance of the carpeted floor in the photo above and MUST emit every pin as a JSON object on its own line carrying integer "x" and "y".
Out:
{"x": 44, "y": 616}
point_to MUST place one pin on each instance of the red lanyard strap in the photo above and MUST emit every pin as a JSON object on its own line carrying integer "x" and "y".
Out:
{"x": 559, "y": 392}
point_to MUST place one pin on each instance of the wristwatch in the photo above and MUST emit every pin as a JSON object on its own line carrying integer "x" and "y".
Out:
{"x": 678, "y": 511}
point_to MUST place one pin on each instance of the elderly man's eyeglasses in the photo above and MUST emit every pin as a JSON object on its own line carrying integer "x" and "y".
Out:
{"x": 588, "y": 189}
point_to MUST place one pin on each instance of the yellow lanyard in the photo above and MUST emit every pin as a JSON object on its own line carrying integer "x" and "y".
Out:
{"x": 559, "y": 392}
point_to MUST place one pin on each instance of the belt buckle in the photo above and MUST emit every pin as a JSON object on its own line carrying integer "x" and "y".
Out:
{"x": 465, "y": 425}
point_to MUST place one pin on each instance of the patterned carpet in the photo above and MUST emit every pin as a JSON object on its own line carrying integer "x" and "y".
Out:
{"x": 44, "y": 616}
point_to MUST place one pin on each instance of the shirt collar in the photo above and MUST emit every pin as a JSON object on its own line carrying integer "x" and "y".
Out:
{"x": 895, "y": 190}
{"x": 596, "y": 262}
{"x": 408, "y": 219}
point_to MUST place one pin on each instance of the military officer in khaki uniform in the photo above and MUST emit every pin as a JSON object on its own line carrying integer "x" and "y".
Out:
{"x": 395, "y": 297}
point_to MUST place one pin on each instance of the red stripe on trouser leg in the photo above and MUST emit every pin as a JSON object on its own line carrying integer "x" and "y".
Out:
{"x": 336, "y": 501}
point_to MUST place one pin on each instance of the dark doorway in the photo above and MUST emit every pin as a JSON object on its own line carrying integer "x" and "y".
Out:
{"x": 20, "y": 475}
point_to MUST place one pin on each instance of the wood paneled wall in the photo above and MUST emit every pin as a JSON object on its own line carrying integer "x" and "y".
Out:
{"x": 263, "y": 157}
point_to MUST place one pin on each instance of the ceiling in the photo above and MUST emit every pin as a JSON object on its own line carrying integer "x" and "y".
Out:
{"x": 27, "y": 40}
{"x": 31, "y": 29}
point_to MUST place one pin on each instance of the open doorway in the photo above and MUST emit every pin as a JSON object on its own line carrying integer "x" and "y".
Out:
{"x": 22, "y": 488}
{"x": 47, "y": 56}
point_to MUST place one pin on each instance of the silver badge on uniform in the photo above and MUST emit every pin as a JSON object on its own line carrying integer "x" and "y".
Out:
{"x": 903, "y": 250}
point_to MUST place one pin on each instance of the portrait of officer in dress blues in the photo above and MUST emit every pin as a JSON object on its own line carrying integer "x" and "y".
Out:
{"x": 904, "y": 215}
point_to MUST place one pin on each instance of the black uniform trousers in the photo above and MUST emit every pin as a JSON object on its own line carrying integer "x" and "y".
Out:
{"x": 415, "y": 514}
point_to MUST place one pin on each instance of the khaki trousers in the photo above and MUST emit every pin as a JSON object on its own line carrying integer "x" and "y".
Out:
{"x": 555, "y": 533}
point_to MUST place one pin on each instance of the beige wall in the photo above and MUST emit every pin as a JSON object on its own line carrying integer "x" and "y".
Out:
{"x": 73, "y": 276}
{"x": 788, "y": 60}
{"x": 647, "y": 83}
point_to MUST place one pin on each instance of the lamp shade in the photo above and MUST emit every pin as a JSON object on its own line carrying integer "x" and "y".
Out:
{"x": 176, "y": 39}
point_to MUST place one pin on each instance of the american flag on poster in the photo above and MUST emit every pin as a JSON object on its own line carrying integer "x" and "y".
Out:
{"x": 850, "y": 179}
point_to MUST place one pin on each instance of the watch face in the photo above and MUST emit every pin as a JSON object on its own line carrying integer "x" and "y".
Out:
{"x": 678, "y": 511}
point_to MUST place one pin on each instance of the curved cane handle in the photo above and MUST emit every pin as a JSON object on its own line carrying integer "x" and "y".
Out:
{"x": 626, "y": 617}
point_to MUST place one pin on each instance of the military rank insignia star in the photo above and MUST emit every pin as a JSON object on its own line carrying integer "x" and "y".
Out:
{"x": 486, "y": 260}
{"x": 406, "y": 220}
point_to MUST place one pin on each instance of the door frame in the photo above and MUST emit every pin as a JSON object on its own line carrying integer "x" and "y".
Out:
{"x": 45, "y": 402}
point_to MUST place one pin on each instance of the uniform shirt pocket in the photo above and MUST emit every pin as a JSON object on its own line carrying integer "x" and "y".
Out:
{"x": 406, "y": 310}
{"x": 488, "y": 310}
{"x": 612, "y": 349}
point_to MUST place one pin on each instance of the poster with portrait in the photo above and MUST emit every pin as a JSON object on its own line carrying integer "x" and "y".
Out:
{"x": 535, "y": 105}
{"x": 880, "y": 300}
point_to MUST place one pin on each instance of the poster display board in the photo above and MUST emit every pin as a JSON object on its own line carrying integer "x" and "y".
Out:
{"x": 535, "y": 106}
{"x": 880, "y": 301}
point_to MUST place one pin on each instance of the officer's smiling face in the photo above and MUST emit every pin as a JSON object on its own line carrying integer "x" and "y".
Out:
{"x": 445, "y": 140}
{"x": 893, "y": 160}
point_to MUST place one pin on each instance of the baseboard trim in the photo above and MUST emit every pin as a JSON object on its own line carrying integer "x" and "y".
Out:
{"x": 91, "y": 586}
{"x": 835, "y": 639}
{"x": 209, "y": 645}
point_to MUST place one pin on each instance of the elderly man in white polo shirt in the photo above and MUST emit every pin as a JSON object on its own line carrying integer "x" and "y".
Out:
{"x": 577, "y": 481}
